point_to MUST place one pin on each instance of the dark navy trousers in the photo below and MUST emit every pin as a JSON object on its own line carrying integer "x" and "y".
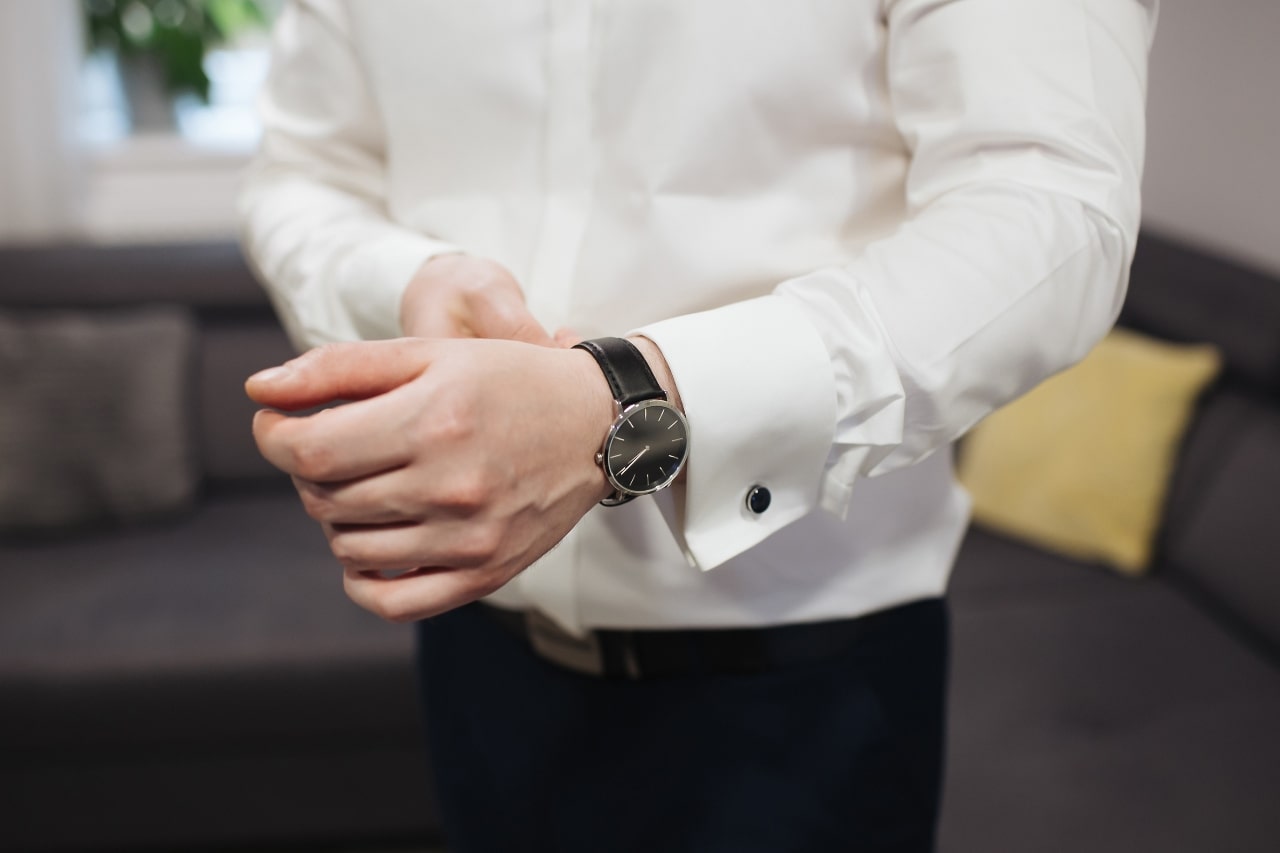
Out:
{"x": 840, "y": 755}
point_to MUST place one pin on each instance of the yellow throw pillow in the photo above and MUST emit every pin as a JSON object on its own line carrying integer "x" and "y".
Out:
{"x": 1081, "y": 464}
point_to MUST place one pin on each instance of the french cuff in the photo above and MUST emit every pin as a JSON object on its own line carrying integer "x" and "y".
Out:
{"x": 758, "y": 391}
{"x": 376, "y": 275}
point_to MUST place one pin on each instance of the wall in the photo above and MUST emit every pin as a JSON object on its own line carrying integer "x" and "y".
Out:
{"x": 1213, "y": 147}
{"x": 1213, "y": 162}
{"x": 40, "y": 47}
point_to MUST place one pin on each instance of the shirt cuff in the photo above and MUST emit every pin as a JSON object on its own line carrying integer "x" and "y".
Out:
{"x": 759, "y": 394}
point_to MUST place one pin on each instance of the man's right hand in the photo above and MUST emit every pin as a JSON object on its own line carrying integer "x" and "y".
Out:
{"x": 460, "y": 296}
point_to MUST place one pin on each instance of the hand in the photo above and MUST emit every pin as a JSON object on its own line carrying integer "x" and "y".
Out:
{"x": 460, "y": 296}
{"x": 461, "y": 462}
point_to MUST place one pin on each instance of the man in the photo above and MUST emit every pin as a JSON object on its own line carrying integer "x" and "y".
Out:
{"x": 835, "y": 236}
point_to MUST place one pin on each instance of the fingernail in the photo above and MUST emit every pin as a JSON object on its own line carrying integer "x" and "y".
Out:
{"x": 271, "y": 374}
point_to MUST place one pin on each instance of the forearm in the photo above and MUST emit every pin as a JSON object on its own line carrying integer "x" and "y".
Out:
{"x": 1026, "y": 135}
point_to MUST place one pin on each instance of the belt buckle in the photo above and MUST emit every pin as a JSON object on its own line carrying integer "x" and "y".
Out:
{"x": 553, "y": 643}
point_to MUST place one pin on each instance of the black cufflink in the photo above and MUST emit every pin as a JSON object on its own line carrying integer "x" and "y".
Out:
{"x": 758, "y": 499}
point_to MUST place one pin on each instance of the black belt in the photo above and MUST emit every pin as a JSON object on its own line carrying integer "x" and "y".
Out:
{"x": 665, "y": 653}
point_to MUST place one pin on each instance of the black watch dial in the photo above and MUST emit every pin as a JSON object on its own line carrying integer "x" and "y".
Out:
{"x": 646, "y": 448}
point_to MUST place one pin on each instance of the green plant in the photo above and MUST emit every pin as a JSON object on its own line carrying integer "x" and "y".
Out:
{"x": 175, "y": 33}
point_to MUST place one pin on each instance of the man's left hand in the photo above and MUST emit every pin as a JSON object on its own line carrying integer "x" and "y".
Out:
{"x": 459, "y": 463}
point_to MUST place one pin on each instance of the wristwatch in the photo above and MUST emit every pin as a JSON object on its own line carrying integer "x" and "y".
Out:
{"x": 648, "y": 443}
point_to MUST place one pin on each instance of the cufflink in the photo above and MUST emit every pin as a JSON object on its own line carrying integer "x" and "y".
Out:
{"x": 758, "y": 499}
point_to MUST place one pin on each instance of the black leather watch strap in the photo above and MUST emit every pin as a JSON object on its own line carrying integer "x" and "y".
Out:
{"x": 625, "y": 369}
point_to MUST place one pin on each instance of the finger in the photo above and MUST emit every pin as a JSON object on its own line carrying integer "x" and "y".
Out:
{"x": 420, "y": 594}
{"x": 334, "y": 445}
{"x": 566, "y": 337}
{"x": 447, "y": 321}
{"x": 388, "y": 497}
{"x": 497, "y": 313}
{"x": 360, "y": 501}
{"x": 396, "y": 547}
{"x": 343, "y": 371}
{"x": 509, "y": 318}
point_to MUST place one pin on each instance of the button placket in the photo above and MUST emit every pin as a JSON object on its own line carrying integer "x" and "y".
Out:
{"x": 568, "y": 176}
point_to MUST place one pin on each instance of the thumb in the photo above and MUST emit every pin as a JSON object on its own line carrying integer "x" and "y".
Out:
{"x": 345, "y": 371}
{"x": 510, "y": 319}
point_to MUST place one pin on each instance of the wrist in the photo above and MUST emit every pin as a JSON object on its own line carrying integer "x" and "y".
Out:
{"x": 661, "y": 370}
{"x": 598, "y": 412}
{"x": 646, "y": 446}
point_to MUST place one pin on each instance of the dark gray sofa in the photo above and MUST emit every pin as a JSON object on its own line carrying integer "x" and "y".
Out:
{"x": 1091, "y": 712}
{"x": 200, "y": 680}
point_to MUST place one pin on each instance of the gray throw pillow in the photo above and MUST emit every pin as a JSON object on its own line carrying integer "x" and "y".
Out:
{"x": 94, "y": 422}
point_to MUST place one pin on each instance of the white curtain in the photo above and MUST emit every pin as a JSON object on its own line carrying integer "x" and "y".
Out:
{"x": 41, "y": 48}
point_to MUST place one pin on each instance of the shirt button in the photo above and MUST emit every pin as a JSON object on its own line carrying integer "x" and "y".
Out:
{"x": 758, "y": 499}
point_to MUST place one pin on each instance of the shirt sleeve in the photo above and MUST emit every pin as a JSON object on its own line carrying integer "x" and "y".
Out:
{"x": 1025, "y": 128}
{"x": 313, "y": 209}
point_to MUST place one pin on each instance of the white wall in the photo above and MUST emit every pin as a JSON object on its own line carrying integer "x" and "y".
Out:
{"x": 1213, "y": 145}
{"x": 40, "y": 48}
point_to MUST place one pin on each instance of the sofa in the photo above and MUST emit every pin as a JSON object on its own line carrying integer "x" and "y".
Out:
{"x": 192, "y": 677}
{"x": 195, "y": 678}
{"x": 1095, "y": 712}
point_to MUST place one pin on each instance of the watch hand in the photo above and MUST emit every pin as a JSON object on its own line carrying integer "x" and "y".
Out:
{"x": 635, "y": 459}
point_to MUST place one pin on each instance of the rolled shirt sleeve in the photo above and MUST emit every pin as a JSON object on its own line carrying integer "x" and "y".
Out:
{"x": 1024, "y": 123}
{"x": 313, "y": 208}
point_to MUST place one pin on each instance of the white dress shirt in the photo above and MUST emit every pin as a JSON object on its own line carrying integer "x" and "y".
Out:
{"x": 854, "y": 228}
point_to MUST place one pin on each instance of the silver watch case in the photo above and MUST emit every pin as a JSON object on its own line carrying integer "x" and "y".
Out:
{"x": 622, "y": 493}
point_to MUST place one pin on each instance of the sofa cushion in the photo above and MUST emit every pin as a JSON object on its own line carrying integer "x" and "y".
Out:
{"x": 1223, "y": 530}
{"x": 1080, "y": 464}
{"x": 95, "y": 421}
{"x": 1094, "y": 712}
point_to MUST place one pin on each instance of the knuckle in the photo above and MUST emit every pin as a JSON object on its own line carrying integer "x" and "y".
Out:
{"x": 318, "y": 506}
{"x": 409, "y": 502}
{"x": 351, "y": 586}
{"x": 313, "y": 461}
{"x": 382, "y": 600}
{"x": 454, "y": 422}
{"x": 466, "y": 494}
{"x": 350, "y": 553}
{"x": 395, "y": 607}
{"x": 479, "y": 545}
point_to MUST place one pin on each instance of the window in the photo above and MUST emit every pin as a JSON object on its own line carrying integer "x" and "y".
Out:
{"x": 163, "y": 166}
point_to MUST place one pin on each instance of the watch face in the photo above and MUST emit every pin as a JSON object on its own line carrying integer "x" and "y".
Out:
{"x": 646, "y": 447}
